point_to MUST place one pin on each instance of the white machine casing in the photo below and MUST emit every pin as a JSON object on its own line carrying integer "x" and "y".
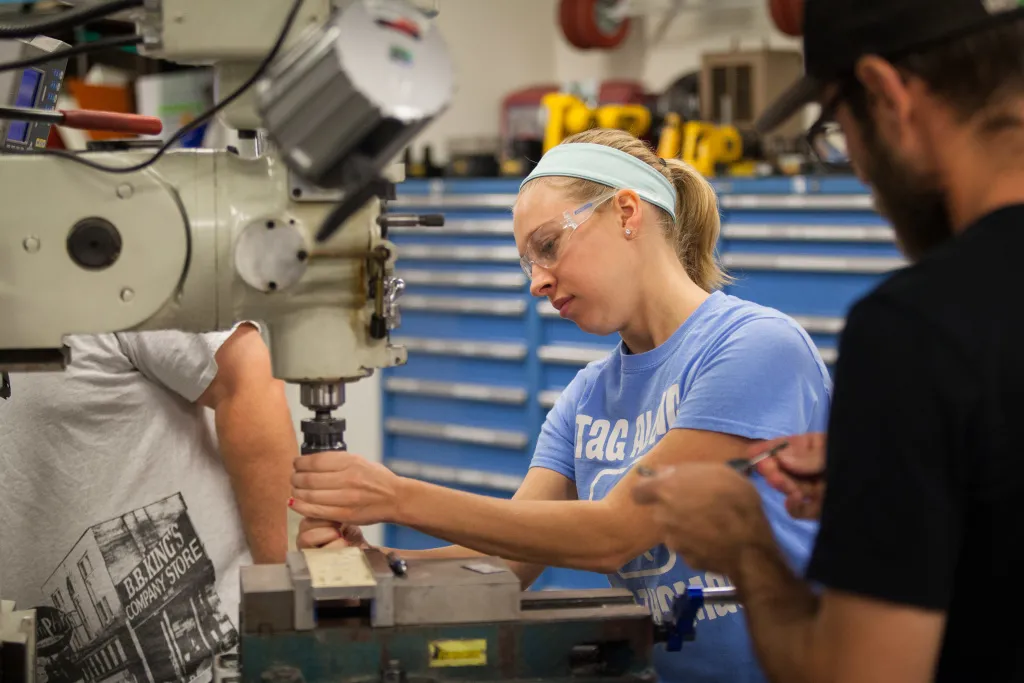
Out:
{"x": 205, "y": 238}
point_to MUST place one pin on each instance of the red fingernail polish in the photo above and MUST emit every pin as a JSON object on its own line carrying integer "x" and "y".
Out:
{"x": 291, "y": 502}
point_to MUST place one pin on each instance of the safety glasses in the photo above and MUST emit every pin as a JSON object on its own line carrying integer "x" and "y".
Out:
{"x": 826, "y": 139}
{"x": 547, "y": 243}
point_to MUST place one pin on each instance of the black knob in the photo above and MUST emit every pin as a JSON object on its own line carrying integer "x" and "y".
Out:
{"x": 433, "y": 220}
{"x": 94, "y": 243}
{"x": 323, "y": 434}
{"x": 378, "y": 327}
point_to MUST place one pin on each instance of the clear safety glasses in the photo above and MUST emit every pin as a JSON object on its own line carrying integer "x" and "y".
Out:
{"x": 546, "y": 244}
{"x": 826, "y": 138}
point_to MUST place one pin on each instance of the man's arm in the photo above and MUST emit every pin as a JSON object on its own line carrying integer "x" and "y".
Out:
{"x": 257, "y": 440}
{"x": 892, "y": 518}
{"x": 839, "y": 637}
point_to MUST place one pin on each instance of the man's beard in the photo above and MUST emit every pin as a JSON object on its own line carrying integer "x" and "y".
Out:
{"x": 913, "y": 201}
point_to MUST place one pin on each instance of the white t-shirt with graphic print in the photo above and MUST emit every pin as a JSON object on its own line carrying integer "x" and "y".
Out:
{"x": 117, "y": 518}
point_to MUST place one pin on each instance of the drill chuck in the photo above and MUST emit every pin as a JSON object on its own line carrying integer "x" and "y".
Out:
{"x": 323, "y": 433}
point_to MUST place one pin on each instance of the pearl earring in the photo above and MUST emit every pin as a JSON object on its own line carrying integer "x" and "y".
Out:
{"x": 628, "y": 232}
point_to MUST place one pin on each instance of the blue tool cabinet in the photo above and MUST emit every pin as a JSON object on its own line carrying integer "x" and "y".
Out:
{"x": 487, "y": 361}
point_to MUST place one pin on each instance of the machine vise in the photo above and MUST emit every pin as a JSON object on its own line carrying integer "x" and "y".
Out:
{"x": 347, "y": 615}
{"x": 344, "y": 615}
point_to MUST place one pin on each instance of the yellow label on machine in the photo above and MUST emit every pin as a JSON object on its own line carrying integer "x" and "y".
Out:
{"x": 458, "y": 653}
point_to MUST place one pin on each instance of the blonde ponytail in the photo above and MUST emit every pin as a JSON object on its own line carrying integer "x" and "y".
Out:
{"x": 697, "y": 226}
{"x": 694, "y": 234}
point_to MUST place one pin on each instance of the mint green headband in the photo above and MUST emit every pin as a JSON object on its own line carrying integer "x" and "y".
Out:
{"x": 607, "y": 166}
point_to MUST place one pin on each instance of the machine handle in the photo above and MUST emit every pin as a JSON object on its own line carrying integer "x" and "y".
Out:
{"x": 86, "y": 119}
{"x": 682, "y": 619}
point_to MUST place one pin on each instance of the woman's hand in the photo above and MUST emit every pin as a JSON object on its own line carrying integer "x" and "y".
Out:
{"x": 798, "y": 471}
{"x": 344, "y": 488}
{"x": 321, "y": 533}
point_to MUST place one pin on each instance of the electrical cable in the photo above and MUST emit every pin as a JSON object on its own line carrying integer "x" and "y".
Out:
{"x": 66, "y": 20}
{"x": 82, "y": 48}
{"x": 200, "y": 120}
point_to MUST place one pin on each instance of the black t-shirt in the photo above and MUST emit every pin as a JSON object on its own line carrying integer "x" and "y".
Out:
{"x": 925, "y": 498}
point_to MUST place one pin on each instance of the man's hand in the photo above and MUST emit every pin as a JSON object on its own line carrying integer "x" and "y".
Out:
{"x": 345, "y": 488}
{"x": 797, "y": 471}
{"x": 321, "y": 533}
{"x": 707, "y": 512}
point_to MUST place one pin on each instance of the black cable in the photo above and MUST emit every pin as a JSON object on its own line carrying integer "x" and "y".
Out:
{"x": 95, "y": 46}
{"x": 203, "y": 118}
{"x": 66, "y": 20}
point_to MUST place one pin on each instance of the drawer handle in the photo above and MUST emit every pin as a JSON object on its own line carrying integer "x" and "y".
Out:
{"x": 814, "y": 324}
{"x": 458, "y": 433}
{"x": 455, "y": 475}
{"x": 462, "y": 391}
{"x": 813, "y": 264}
{"x": 468, "y": 201}
{"x": 446, "y": 347}
{"x": 809, "y": 233}
{"x": 504, "y": 254}
{"x": 565, "y": 354}
{"x": 546, "y": 310}
{"x": 791, "y": 201}
{"x": 441, "y": 278}
{"x": 547, "y": 399}
{"x": 456, "y": 228}
{"x": 479, "y": 306}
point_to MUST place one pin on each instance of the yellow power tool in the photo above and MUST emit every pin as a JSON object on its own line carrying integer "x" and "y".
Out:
{"x": 567, "y": 115}
{"x": 705, "y": 146}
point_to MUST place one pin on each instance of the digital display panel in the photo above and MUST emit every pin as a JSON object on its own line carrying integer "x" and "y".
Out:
{"x": 27, "y": 91}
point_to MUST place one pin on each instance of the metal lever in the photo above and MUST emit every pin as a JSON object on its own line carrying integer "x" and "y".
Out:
{"x": 352, "y": 202}
{"x": 682, "y": 619}
{"x": 410, "y": 220}
{"x": 394, "y": 287}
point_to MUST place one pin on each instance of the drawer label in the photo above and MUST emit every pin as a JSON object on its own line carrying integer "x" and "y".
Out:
{"x": 448, "y": 653}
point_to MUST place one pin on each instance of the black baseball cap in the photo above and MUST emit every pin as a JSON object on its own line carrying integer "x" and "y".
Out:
{"x": 839, "y": 32}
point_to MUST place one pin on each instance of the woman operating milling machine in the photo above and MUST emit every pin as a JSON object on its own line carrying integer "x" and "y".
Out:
{"x": 620, "y": 241}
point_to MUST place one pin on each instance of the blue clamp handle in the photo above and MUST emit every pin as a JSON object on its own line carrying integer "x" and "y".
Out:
{"x": 683, "y": 621}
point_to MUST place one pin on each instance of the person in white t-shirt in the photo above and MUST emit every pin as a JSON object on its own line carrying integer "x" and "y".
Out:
{"x": 133, "y": 486}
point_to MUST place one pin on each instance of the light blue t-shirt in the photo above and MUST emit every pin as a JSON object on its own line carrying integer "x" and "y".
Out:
{"x": 733, "y": 367}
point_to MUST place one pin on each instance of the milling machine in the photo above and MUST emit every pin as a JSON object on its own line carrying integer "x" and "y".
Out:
{"x": 292, "y": 233}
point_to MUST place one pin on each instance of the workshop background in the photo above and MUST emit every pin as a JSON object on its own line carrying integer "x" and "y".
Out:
{"x": 513, "y": 50}
{"x": 486, "y": 361}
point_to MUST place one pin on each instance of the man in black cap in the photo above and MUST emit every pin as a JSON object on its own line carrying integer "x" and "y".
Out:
{"x": 924, "y": 496}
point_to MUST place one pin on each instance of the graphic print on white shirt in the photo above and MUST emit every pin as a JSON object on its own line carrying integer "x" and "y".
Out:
{"x": 135, "y": 600}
